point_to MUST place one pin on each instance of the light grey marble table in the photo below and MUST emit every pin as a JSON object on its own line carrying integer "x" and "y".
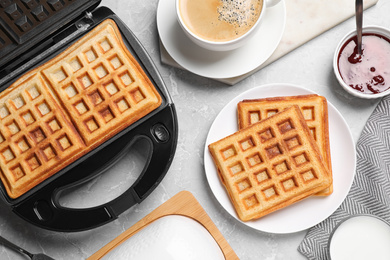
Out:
{"x": 198, "y": 101}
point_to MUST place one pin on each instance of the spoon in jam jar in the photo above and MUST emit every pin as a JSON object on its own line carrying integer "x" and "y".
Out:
{"x": 359, "y": 24}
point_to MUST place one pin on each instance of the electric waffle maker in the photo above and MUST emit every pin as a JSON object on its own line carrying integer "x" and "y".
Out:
{"x": 33, "y": 32}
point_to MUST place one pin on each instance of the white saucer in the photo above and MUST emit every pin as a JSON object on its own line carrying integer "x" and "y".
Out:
{"x": 308, "y": 212}
{"x": 220, "y": 65}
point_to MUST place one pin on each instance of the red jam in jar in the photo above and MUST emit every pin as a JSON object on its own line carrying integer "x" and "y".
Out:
{"x": 369, "y": 72}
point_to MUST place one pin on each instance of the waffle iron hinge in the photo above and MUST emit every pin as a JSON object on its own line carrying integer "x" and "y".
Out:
{"x": 84, "y": 23}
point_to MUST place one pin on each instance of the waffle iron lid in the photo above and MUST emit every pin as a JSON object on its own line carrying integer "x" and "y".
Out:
{"x": 24, "y": 23}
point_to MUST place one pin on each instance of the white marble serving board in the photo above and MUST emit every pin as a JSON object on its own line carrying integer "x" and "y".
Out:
{"x": 305, "y": 20}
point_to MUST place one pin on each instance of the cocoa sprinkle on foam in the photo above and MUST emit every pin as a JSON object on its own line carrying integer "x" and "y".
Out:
{"x": 238, "y": 12}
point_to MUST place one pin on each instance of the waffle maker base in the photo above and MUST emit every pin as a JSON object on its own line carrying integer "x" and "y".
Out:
{"x": 40, "y": 205}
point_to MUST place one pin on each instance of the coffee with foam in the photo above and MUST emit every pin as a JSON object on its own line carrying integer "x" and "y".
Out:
{"x": 220, "y": 20}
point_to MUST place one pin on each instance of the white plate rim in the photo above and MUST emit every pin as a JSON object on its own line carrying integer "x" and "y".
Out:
{"x": 296, "y": 217}
{"x": 219, "y": 65}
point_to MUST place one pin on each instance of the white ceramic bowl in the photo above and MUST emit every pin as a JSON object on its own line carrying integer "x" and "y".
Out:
{"x": 171, "y": 237}
{"x": 225, "y": 45}
{"x": 367, "y": 29}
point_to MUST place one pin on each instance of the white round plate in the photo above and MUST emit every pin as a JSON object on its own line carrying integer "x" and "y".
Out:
{"x": 220, "y": 65}
{"x": 306, "y": 213}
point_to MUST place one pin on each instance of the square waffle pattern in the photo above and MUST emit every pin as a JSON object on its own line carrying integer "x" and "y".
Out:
{"x": 314, "y": 109}
{"x": 270, "y": 165}
{"x": 21, "y": 19}
{"x": 68, "y": 106}
{"x": 100, "y": 86}
{"x": 23, "y": 15}
{"x": 36, "y": 136}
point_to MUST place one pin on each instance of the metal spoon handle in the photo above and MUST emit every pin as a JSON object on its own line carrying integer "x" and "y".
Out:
{"x": 359, "y": 24}
{"x": 15, "y": 247}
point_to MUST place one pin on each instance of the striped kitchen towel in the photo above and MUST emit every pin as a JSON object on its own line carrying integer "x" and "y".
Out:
{"x": 370, "y": 191}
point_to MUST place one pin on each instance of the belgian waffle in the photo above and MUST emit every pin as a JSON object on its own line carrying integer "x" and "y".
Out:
{"x": 314, "y": 109}
{"x": 36, "y": 136}
{"x": 101, "y": 86}
{"x": 270, "y": 165}
{"x": 68, "y": 106}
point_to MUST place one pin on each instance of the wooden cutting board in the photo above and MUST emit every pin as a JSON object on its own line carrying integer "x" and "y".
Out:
{"x": 305, "y": 20}
{"x": 182, "y": 204}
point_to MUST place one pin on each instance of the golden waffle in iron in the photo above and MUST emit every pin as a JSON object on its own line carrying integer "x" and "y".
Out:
{"x": 101, "y": 86}
{"x": 270, "y": 165}
{"x": 314, "y": 109}
{"x": 68, "y": 106}
{"x": 36, "y": 136}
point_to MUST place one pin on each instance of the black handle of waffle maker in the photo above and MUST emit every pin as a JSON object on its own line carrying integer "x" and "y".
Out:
{"x": 42, "y": 208}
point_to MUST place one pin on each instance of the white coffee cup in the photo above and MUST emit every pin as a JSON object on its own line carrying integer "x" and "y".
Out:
{"x": 222, "y": 45}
